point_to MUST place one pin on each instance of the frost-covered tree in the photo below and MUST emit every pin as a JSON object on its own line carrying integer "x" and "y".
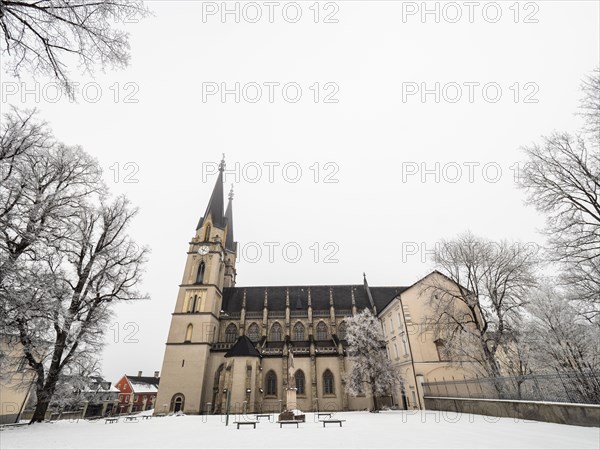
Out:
{"x": 369, "y": 365}
{"x": 65, "y": 255}
{"x": 559, "y": 340}
{"x": 46, "y": 36}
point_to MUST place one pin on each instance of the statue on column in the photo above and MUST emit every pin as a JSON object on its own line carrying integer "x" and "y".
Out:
{"x": 291, "y": 371}
{"x": 291, "y": 407}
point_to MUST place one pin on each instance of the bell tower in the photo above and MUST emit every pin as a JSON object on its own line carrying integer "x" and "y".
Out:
{"x": 209, "y": 267}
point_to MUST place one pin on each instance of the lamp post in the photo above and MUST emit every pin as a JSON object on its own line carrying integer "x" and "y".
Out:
{"x": 248, "y": 392}
{"x": 228, "y": 392}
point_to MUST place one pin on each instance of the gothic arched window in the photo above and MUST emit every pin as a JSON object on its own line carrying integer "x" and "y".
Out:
{"x": 275, "y": 334}
{"x": 342, "y": 331}
{"x": 271, "y": 383}
{"x": 253, "y": 333}
{"x": 207, "y": 233}
{"x": 231, "y": 333}
{"x": 299, "y": 332}
{"x": 192, "y": 304}
{"x": 188, "y": 333}
{"x": 328, "y": 388}
{"x": 200, "y": 273}
{"x": 321, "y": 331}
{"x": 300, "y": 382}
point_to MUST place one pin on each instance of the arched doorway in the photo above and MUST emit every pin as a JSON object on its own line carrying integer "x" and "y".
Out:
{"x": 216, "y": 400}
{"x": 177, "y": 403}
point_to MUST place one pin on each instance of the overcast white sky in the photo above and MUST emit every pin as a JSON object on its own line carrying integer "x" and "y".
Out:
{"x": 379, "y": 217}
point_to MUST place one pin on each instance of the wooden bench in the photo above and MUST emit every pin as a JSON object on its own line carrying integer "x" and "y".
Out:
{"x": 324, "y": 415}
{"x": 289, "y": 422}
{"x": 111, "y": 420}
{"x": 245, "y": 423}
{"x": 258, "y": 416}
{"x": 8, "y": 426}
{"x": 130, "y": 419}
{"x": 325, "y": 421}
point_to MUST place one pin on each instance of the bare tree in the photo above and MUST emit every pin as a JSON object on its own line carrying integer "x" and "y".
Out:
{"x": 369, "y": 364}
{"x": 64, "y": 258}
{"x": 476, "y": 309}
{"x": 40, "y": 36}
{"x": 562, "y": 180}
{"x": 20, "y": 132}
{"x": 589, "y": 107}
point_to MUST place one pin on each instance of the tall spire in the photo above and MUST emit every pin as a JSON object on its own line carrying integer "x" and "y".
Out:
{"x": 229, "y": 243}
{"x": 215, "y": 204}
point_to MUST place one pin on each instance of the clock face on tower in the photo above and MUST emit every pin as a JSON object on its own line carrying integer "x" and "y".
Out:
{"x": 203, "y": 249}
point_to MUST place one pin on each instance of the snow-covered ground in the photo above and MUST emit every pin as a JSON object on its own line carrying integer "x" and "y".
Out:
{"x": 393, "y": 429}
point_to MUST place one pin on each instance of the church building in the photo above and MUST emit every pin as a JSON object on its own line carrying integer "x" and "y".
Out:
{"x": 227, "y": 341}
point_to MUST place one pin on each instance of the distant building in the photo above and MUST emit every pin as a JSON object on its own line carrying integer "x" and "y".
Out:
{"x": 102, "y": 398}
{"x": 77, "y": 397}
{"x": 137, "y": 393}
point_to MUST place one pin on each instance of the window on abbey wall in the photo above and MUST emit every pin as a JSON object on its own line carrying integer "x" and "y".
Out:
{"x": 299, "y": 332}
{"x": 200, "y": 273}
{"x": 271, "y": 383}
{"x": 321, "y": 331}
{"x": 188, "y": 333}
{"x": 300, "y": 382}
{"x": 275, "y": 334}
{"x": 328, "y": 388}
{"x": 442, "y": 351}
{"x": 342, "y": 330}
{"x": 207, "y": 233}
{"x": 253, "y": 333}
{"x": 231, "y": 333}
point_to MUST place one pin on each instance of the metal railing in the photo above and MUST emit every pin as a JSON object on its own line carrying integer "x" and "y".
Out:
{"x": 564, "y": 387}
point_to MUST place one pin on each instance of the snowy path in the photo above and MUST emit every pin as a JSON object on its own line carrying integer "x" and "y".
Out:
{"x": 431, "y": 429}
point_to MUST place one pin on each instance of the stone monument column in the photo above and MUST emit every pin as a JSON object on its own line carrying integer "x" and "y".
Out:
{"x": 291, "y": 385}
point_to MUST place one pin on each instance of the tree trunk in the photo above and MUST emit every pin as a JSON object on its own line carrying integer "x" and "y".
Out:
{"x": 40, "y": 411}
{"x": 44, "y": 392}
{"x": 375, "y": 405}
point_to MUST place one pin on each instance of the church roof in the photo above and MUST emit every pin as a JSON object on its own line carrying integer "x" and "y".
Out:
{"x": 320, "y": 296}
{"x": 242, "y": 347}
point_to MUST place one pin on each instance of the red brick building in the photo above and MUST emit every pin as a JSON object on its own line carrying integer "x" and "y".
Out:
{"x": 137, "y": 393}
